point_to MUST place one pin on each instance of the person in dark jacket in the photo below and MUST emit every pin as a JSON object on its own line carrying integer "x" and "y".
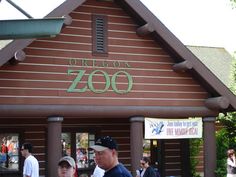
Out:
{"x": 106, "y": 157}
{"x": 147, "y": 170}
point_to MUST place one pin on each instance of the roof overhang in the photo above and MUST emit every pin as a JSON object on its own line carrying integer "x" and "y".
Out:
{"x": 30, "y": 28}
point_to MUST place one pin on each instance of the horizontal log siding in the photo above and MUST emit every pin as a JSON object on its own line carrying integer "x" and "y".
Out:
{"x": 42, "y": 78}
{"x": 172, "y": 157}
{"x": 37, "y": 136}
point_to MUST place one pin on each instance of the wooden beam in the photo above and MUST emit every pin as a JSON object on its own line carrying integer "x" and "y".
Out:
{"x": 144, "y": 30}
{"x": 20, "y": 55}
{"x": 183, "y": 66}
{"x": 217, "y": 103}
{"x": 83, "y": 111}
{"x": 67, "y": 20}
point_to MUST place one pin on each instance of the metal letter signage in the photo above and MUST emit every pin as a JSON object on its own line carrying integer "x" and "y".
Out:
{"x": 113, "y": 82}
{"x": 74, "y": 84}
{"x": 90, "y": 83}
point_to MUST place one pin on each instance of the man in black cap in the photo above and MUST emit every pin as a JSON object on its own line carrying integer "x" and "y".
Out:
{"x": 106, "y": 157}
{"x": 66, "y": 167}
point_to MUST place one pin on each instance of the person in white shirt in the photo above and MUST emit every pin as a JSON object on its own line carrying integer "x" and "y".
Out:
{"x": 98, "y": 172}
{"x": 231, "y": 163}
{"x": 31, "y": 164}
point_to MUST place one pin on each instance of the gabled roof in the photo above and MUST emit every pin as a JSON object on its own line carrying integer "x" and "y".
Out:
{"x": 217, "y": 59}
{"x": 143, "y": 16}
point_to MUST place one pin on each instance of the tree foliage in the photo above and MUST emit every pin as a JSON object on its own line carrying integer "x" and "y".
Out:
{"x": 194, "y": 152}
{"x": 233, "y": 2}
{"x": 229, "y": 123}
{"x": 222, "y": 144}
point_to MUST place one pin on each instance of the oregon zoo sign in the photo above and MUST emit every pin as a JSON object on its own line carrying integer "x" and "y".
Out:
{"x": 110, "y": 81}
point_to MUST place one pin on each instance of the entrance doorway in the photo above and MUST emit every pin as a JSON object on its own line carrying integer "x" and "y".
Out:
{"x": 152, "y": 149}
{"x": 76, "y": 144}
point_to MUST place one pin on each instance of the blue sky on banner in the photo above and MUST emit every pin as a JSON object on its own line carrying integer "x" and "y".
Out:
{"x": 202, "y": 23}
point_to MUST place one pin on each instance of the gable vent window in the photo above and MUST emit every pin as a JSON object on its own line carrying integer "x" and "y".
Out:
{"x": 99, "y": 35}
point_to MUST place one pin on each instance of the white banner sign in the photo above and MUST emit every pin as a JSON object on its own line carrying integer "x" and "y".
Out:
{"x": 173, "y": 128}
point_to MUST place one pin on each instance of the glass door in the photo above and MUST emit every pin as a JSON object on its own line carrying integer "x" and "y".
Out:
{"x": 76, "y": 145}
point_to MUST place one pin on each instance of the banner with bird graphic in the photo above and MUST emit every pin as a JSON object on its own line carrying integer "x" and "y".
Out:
{"x": 173, "y": 128}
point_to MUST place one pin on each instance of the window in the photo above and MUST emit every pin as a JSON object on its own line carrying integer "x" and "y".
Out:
{"x": 146, "y": 148}
{"x": 66, "y": 144}
{"x": 76, "y": 145}
{"x": 99, "y": 26}
{"x": 152, "y": 148}
{"x": 9, "y": 152}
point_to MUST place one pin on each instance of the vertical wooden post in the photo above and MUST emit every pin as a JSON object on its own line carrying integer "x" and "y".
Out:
{"x": 54, "y": 144}
{"x": 136, "y": 138}
{"x": 209, "y": 146}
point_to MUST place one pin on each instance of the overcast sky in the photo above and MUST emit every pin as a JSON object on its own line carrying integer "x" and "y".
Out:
{"x": 198, "y": 22}
{"x": 194, "y": 22}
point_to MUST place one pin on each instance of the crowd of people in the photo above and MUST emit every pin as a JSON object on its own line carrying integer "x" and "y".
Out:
{"x": 106, "y": 159}
{"x": 107, "y": 162}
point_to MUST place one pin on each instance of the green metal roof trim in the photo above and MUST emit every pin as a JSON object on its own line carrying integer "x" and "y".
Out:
{"x": 7, "y": 52}
{"x": 30, "y": 28}
{"x": 142, "y": 15}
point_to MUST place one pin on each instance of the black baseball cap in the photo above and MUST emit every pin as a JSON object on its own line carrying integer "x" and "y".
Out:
{"x": 103, "y": 143}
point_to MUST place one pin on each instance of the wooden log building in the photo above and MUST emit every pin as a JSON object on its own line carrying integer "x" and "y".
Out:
{"x": 113, "y": 64}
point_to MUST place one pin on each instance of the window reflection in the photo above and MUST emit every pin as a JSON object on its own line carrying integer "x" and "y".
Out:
{"x": 146, "y": 148}
{"x": 82, "y": 150}
{"x": 66, "y": 144}
{"x": 81, "y": 143}
{"x": 9, "y": 155}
